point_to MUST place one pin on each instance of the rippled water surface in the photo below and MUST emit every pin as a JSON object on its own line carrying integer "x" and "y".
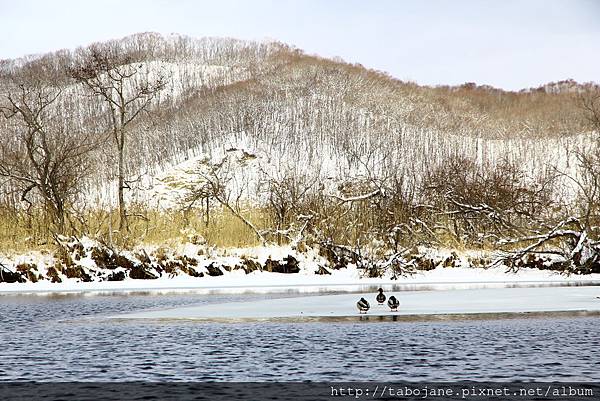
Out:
{"x": 58, "y": 337}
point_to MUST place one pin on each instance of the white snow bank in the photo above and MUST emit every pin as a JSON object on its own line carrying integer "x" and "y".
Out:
{"x": 413, "y": 303}
{"x": 348, "y": 279}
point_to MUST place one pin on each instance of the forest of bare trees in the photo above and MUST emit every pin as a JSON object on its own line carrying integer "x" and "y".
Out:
{"x": 317, "y": 153}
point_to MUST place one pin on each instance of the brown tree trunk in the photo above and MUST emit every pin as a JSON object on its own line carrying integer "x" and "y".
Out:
{"x": 123, "y": 224}
{"x": 60, "y": 218}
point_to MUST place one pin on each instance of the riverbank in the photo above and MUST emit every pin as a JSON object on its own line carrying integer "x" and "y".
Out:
{"x": 348, "y": 279}
{"x": 85, "y": 265}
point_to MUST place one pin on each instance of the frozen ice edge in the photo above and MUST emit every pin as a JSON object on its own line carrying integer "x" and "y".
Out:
{"x": 415, "y": 305}
{"x": 163, "y": 287}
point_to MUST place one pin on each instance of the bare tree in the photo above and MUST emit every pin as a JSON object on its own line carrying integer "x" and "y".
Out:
{"x": 287, "y": 191}
{"x": 589, "y": 102}
{"x": 485, "y": 204}
{"x": 120, "y": 81}
{"x": 217, "y": 182}
{"x": 45, "y": 156}
{"x": 574, "y": 238}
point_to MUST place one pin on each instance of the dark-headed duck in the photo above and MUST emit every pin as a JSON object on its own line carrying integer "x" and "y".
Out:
{"x": 363, "y": 305}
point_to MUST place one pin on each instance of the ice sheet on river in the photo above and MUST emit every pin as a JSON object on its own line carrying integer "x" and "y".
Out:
{"x": 412, "y": 303}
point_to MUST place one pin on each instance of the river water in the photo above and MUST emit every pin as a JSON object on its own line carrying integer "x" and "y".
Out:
{"x": 65, "y": 338}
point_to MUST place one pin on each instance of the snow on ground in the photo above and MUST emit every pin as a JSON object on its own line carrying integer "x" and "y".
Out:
{"x": 90, "y": 266}
{"x": 412, "y": 304}
{"x": 244, "y": 165}
{"x": 348, "y": 279}
{"x": 168, "y": 188}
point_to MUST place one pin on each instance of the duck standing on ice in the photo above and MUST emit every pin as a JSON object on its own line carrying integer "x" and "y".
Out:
{"x": 363, "y": 305}
{"x": 393, "y": 303}
{"x": 380, "y": 297}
